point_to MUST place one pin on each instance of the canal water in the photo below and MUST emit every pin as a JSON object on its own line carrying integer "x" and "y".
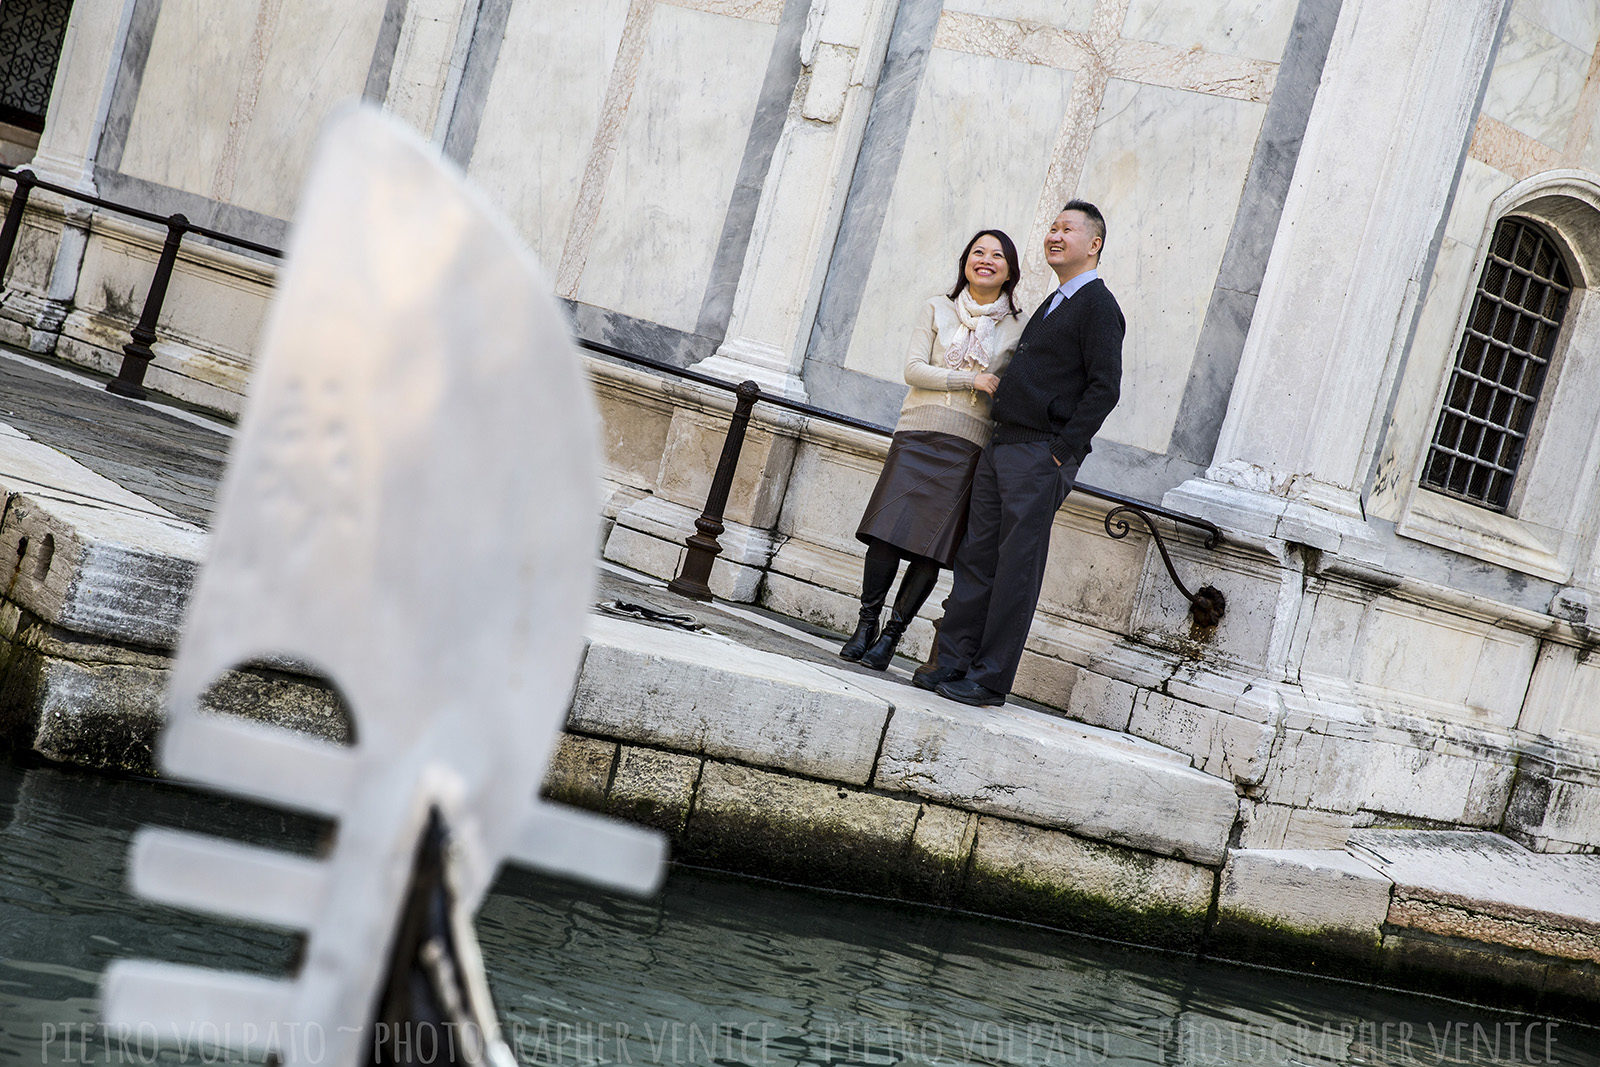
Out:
{"x": 716, "y": 970}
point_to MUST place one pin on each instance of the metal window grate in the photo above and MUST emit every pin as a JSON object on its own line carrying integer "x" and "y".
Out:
{"x": 1500, "y": 367}
{"x": 31, "y": 32}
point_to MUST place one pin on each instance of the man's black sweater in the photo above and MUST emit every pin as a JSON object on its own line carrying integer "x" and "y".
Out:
{"x": 1066, "y": 375}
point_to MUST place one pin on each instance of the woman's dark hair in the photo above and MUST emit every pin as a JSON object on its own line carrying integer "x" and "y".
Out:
{"x": 1013, "y": 267}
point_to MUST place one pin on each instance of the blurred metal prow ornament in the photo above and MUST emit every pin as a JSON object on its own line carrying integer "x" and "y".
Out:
{"x": 410, "y": 509}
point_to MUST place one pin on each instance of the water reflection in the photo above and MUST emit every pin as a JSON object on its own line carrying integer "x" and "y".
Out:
{"x": 715, "y": 971}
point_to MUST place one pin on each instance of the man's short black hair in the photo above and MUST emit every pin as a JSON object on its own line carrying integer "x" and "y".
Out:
{"x": 1097, "y": 219}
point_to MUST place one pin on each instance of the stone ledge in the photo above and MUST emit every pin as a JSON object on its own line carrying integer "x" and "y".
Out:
{"x": 706, "y": 695}
{"x": 1323, "y": 905}
{"x": 1035, "y": 768}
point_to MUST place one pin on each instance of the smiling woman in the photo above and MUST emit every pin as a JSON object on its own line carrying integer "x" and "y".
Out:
{"x": 918, "y": 509}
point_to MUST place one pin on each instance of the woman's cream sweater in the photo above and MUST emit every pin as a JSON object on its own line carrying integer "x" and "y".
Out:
{"x": 942, "y": 399}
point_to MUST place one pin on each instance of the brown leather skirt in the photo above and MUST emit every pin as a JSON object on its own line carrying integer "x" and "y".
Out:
{"x": 920, "y": 502}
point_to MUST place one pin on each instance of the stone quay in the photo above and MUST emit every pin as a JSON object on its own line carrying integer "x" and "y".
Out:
{"x": 757, "y": 751}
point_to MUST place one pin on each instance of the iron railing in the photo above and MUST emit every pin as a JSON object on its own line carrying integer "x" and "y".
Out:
{"x": 1207, "y": 603}
{"x": 137, "y": 353}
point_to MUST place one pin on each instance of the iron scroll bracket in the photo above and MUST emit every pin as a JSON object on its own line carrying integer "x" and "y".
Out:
{"x": 1208, "y": 603}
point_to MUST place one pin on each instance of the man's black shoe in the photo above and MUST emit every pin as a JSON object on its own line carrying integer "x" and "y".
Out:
{"x": 931, "y": 678}
{"x": 969, "y": 692}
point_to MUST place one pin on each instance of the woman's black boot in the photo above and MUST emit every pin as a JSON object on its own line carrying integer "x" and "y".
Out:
{"x": 914, "y": 589}
{"x": 882, "y": 651}
{"x": 866, "y": 633}
{"x": 876, "y": 578}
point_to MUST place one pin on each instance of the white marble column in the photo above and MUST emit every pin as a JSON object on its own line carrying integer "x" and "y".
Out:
{"x": 427, "y": 63}
{"x": 1392, "y": 117}
{"x": 80, "y": 99}
{"x": 91, "y": 52}
{"x": 802, "y": 200}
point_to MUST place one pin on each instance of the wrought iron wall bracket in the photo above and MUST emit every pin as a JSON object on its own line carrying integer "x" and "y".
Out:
{"x": 1207, "y": 604}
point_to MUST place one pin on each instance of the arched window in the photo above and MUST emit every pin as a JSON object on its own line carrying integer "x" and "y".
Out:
{"x": 1500, "y": 367}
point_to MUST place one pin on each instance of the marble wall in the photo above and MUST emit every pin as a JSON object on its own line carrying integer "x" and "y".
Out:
{"x": 1534, "y": 153}
{"x": 248, "y": 86}
{"x": 778, "y": 184}
{"x": 1022, "y": 106}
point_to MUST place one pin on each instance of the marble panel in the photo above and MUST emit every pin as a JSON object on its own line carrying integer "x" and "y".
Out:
{"x": 197, "y": 60}
{"x": 975, "y": 156}
{"x": 1169, "y": 199}
{"x": 634, "y": 438}
{"x": 1252, "y": 29}
{"x": 1574, "y": 21}
{"x": 827, "y": 491}
{"x": 1417, "y": 652}
{"x": 693, "y": 450}
{"x": 1335, "y": 624}
{"x": 541, "y": 112}
{"x": 1090, "y": 577}
{"x": 1550, "y": 690}
{"x": 1536, "y": 82}
{"x": 1056, "y": 14}
{"x": 1257, "y": 604}
{"x": 1500, "y": 677}
{"x": 678, "y": 156}
{"x": 318, "y": 60}
{"x": 1580, "y": 713}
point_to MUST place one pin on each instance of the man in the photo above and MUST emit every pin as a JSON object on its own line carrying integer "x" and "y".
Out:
{"x": 1062, "y": 383}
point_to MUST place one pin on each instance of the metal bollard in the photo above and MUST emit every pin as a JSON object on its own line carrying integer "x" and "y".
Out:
{"x": 13, "y": 224}
{"x": 703, "y": 546}
{"x": 137, "y": 354}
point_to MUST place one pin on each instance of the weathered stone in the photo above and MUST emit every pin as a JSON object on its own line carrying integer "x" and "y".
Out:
{"x": 653, "y": 788}
{"x": 1301, "y": 904}
{"x": 1462, "y": 969}
{"x": 816, "y": 833}
{"x": 579, "y": 772}
{"x": 1056, "y": 878}
{"x": 103, "y": 571}
{"x": 1269, "y": 826}
{"x": 1022, "y": 765}
{"x": 940, "y": 847}
{"x": 1444, "y": 773}
{"x": 705, "y": 694}
{"x": 1488, "y": 885}
{"x": 91, "y": 715}
{"x": 311, "y": 706}
{"x": 1550, "y": 938}
{"x": 1219, "y": 743}
{"x": 1101, "y": 701}
{"x": 1555, "y": 803}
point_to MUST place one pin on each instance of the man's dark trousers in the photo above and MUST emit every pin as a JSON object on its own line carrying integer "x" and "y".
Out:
{"x": 999, "y": 568}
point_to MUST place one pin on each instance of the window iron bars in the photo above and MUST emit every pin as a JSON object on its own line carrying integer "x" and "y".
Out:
{"x": 1500, "y": 367}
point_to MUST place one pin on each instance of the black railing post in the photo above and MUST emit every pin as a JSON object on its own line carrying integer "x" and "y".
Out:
{"x": 137, "y": 354}
{"x": 13, "y": 224}
{"x": 703, "y": 546}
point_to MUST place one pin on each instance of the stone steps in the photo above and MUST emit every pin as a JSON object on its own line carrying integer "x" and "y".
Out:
{"x": 705, "y": 694}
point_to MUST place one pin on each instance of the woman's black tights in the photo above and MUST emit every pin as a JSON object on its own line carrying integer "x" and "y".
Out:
{"x": 883, "y": 561}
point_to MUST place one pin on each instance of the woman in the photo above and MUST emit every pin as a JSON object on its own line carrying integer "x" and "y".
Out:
{"x": 918, "y": 510}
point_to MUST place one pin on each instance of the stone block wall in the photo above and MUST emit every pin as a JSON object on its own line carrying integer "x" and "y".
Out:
{"x": 1333, "y": 695}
